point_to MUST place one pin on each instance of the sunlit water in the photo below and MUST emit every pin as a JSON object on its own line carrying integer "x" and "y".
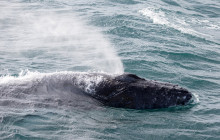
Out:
{"x": 44, "y": 45}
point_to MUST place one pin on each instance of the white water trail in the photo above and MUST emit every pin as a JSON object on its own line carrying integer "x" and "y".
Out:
{"x": 170, "y": 20}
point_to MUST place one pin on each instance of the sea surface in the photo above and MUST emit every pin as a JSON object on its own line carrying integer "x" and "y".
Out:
{"x": 44, "y": 44}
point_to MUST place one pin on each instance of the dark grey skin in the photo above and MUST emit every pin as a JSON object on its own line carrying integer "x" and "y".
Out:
{"x": 88, "y": 90}
{"x": 131, "y": 91}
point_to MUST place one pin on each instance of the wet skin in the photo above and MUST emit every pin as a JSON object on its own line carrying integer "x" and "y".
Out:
{"x": 131, "y": 91}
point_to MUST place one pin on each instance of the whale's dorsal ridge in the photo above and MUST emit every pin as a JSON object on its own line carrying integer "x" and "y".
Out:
{"x": 128, "y": 77}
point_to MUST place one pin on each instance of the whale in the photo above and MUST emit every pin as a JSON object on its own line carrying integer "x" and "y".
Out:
{"x": 90, "y": 90}
{"x": 130, "y": 91}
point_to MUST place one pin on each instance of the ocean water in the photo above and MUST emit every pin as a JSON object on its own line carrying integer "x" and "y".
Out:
{"x": 44, "y": 44}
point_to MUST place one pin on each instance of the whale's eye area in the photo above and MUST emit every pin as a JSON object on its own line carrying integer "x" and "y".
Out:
{"x": 179, "y": 102}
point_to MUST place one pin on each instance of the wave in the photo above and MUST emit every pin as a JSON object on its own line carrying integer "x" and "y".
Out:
{"x": 179, "y": 21}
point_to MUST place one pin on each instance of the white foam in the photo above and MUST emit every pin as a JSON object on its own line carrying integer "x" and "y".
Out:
{"x": 29, "y": 80}
{"x": 195, "y": 98}
{"x": 158, "y": 17}
{"x": 162, "y": 18}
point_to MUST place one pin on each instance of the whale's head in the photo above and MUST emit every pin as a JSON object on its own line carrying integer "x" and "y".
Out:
{"x": 131, "y": 91}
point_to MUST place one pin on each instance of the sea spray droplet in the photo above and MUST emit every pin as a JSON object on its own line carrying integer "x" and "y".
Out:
{"x": 60, "y": 38}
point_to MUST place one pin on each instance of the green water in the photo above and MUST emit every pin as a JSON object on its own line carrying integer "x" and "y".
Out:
{"x": 166, "y": 40}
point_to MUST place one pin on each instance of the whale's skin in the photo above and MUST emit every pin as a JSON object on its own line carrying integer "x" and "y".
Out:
{"x": 133, "y": 92}
{"x": 91, "y": 90}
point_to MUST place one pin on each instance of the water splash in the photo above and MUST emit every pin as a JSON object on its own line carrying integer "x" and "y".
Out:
{"x": 195, "y": 98}
{"x": 55, "y": 89}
